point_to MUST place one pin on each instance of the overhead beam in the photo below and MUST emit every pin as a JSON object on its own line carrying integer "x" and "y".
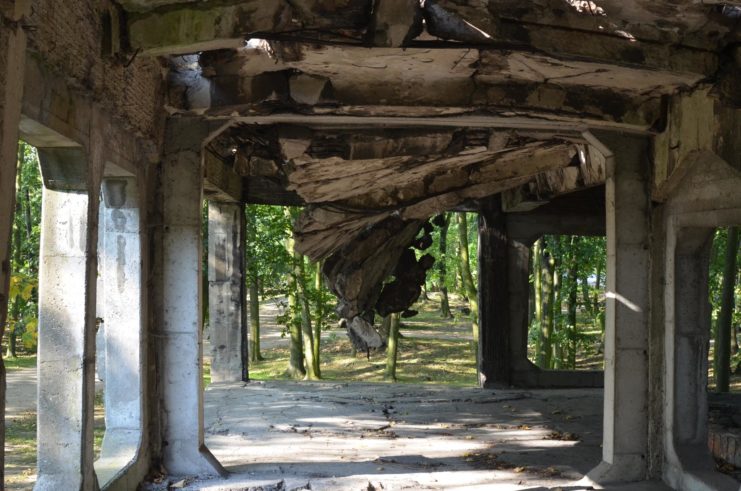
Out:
{"x": 684, "y": 38}
{"x": 220, "y": 181}
{"x": 308, "y": 78}
{"x": 192, "y": 27}
{"x": 436, "y": 118}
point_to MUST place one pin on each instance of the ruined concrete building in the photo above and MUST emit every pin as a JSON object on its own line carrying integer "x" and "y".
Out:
{"x": 606, "y": 117}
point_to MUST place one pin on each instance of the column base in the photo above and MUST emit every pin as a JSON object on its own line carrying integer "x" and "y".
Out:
{"x": 625, "y": 468}
{"x": 182, "y": 459}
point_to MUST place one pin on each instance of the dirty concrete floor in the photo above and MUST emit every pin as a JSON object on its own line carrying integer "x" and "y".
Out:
{"x": 336, "y": 436}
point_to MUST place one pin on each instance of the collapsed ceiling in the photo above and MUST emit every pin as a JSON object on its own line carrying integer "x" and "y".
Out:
{"x": 379, "y": 115}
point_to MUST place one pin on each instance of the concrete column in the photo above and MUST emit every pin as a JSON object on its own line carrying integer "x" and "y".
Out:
{"x": 625, "y": 433}
{"x": 12, "y": 61}
{"x": 518, "y": 261}
{"x": 121, "y": 293}
{"x": 181, "y": 377}
{"x": 66, "y": 350}
{"x": 494, "y": 350}
{"x": 226, "y": 298}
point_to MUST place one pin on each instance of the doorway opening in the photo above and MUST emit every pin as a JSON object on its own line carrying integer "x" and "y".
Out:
{"x": 567, "y": 302}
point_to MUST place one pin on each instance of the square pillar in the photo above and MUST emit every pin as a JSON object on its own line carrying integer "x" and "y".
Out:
{"x": 494, "y": 365}
{"x": 66, "y": 349}
{"x": 625, "y": 433}
{"x": 180, "y": 332}
{"x": 121, "y": 292}
{"x": 226, "y": 297}
{"x": 518, "y": 262}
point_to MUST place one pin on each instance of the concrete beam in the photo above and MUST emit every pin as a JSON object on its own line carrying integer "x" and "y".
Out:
{"x": 513, "y": 80}
{"x": 205, "y": 26}
{"x": 12, "y": 61}
{"x": 227, "y": 296}
{"x": 648, "y": 36}
{"x": 60, "y": 168}
{"x": 180, "y": 330}
{"x": 220, "y": 181}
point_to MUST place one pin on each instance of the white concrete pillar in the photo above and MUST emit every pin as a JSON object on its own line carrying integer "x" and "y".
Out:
{"x": 122, "y": 289}
{"x": 625, "y": 432}
{"x": 66, "y": 349}
{"x": 226, "y": 298}
{"x": 12, "y": 61}
{"x": 184, "y": 452}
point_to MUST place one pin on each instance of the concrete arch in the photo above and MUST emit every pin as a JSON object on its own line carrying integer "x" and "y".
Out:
{"x": 703, "y": 198}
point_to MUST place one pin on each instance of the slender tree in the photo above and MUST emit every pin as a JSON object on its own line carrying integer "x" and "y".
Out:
{"x": 540, "y": 338}
{"x": 252, "y": 281}
{"x": 443, "y": 269}
{"x": 319, "y": 318}
{"x": 296, "y": 368}
{"x": 556, "y": 303}
{"x": 573, "y": 280}
{"x": 725, "y": 317}
{"x": 546, "y": 346}
{"x": 469, "y": 287}
{"x": 307, "y": 332}
{"x": 255, "y": 352}
{"x": 15, "y": 310}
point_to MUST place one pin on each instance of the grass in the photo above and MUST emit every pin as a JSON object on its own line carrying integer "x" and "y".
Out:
{"x": 20, "y": 446}
{"x": 20, "y": 452}
{"x": 421, "y": 360}
{"x": 23, "y": 361}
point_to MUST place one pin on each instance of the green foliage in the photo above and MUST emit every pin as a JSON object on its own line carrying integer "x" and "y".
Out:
{"x": 267, "y": 256}
{"x": 715, "y": 283}
{"x": 23, "y": 306}
{"x": 575, "y": 321}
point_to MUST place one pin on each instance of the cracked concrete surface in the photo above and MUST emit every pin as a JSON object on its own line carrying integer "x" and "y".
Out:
{"x": 338, "y": 436}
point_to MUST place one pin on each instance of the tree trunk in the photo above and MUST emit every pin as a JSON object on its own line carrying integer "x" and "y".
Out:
{"x": 393, "y": 348}
{"x": 469, "y": 288}
{"x": 319, "y": 319}
{"x": 443, "y": 270}
{"x": 307, "y": 333}
{"x": 423, "y": 292}
{"x": 254, "y": 289}
{"x": 540, "y": 341}
{"x": 573, "y": 276}
{"x": 255, "y": 354}
{"x": 725, "y": 317}
{"x": 548, "y": 301}
{"x": 296, "y": 367}
{"x": 596, "y": 300}
{"x": 17, "y": 254}
{"x": 556, "y": 303}
{"x": 586, "y": 296}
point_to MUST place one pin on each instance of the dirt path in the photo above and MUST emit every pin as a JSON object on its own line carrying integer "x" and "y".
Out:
{"x": 271, "y": 332}
{"x": 21, "y": 394}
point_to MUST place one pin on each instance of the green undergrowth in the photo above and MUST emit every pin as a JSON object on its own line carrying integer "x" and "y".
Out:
{"x": 421, "y": 361}
{"x": 20, "y": 362}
